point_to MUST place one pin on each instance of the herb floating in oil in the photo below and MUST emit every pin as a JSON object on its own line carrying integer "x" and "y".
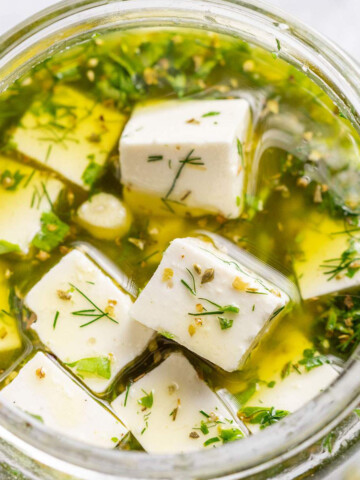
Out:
{"x": 262, "y": 416}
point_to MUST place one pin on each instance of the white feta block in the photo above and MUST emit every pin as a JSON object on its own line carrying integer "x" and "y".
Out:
{"x": 187, "y": 153}
{"x": 170, "y": 410}
{"x": 83, "y": 318}
{"x": 208, "y": 302}
{"x": 323, "y": 243}
{"x": 69, "y": 133}
{"x": 44, "y": 391}
{"x": 22, "y": 190}
{"x": 292, "y": 392}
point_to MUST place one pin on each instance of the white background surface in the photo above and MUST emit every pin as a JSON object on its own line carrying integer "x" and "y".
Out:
{"x": 337, "y": 19}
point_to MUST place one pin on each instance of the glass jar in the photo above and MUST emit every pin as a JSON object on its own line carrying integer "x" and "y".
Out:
{"x": 287, "y": 450}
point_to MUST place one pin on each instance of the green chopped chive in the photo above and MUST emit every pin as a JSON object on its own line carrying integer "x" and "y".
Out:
{"x": 210, "y": 114}
{"x": 238, "y": 201}
{"x": 30, "y": 177}
{"x": 204, "y": 427}
{"x": 278, "y": 44}
{"x": 204, "y": 413}
{"x": 155, "y": 158}
{"x": 211, "y": 441}
{"x": 127, "y": 394}
{"x": 56, "y": 319}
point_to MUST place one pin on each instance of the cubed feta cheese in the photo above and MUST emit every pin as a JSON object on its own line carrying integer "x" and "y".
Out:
{"x": 70, "y": 133}
{"x": 187, "y": 153}
{"x": 319, "y": 268}
{"x": 208, "y": 302}
{"x": 44, "y": 391}
{"x": 83, "y": 318}
{"x": 170, "y": 410}
{"x": 27, "y": 194}
{"x": 290, "y": 393}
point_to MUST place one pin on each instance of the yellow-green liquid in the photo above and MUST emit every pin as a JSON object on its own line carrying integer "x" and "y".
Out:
{"x": 156, "y": 65}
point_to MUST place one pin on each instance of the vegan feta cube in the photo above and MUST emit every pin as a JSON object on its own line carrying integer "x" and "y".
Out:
{"x": 44, "y": 391}
{"x": 176, "y": 150}
{"x": 170, "y": 410}
{"x": 69, "y": 133}
{"x": 27, "y": 194}
{"x": 288, "y": 392}
{"x": 83, "y": 318}
{"x": 208, "y": 302}
{"x": 330, "y": 259}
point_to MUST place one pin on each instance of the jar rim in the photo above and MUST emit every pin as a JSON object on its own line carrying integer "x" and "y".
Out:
{"x": 339, "y": 75}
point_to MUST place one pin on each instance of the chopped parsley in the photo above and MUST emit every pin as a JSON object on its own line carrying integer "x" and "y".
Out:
{"x": 95, "y": 366}
{"x": 262, "y": 416}
{"x": 312, "y": 360}
{"x": 53, "y": 232}
{"x": 225, "y": 323}
{"x": 92, "y": 173}
{"x": 146, "y": 401}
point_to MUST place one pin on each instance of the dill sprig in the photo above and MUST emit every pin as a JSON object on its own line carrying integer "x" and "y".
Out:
{"x": 189, "y": 160}
{"x": 192, "y": 289}
{"x": 348, "y": 262}
{"x": 97, "y": 313}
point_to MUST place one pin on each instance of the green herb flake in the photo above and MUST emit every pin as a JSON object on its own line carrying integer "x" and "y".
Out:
{"x": 212, "y": 440}
{"x": 36, "y": 417}
{"x": 127, "y": 394}
{"x": 262, "y": 416}
{"x": 225, "y": 323}
{"x": 8, "y": 247}
{"x": 210, "y": 114}
{"x": 192, "y": 289}
{"x": 166, "y": 334}
{"x": 115, "y": 440}
{"x": 231, "y": 434}
{"x": 312, "y": 360}
{"x": 146, "y": 401}
{"x": 53, "y": 232}
{"x": 155, "y": 158}
{"x": 94, "y": 366}
{"x": 92, "y": 173}
{"x": 56, "y": 319}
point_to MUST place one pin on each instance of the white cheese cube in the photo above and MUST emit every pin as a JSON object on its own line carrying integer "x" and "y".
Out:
{"x": 69, "y": 133}
{"x": 44, "y": 391}
{"x": 83, "y": 318}
{"x": 170, "y": 410}
{"x": 27, "y": 194}
{"x": 322, "y": 243}
{"x": 292, "y": 392}
{"x": 208, "y": 302}
{"x": 189, "y": 154}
